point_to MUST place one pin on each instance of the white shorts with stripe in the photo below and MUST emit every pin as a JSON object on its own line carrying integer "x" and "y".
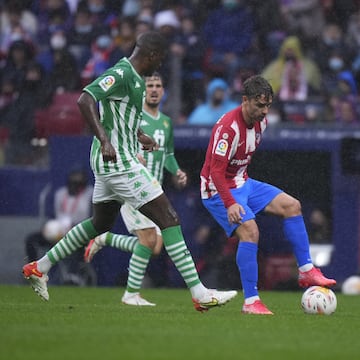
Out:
{"x": 135, "y": 220}
{"x": 136, "y": 187}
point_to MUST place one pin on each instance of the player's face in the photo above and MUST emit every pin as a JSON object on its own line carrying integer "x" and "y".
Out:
{"x": 255, "y": 109}
{"x": 154, "y": 91}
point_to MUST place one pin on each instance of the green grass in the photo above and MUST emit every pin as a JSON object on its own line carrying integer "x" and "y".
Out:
{"x": 91, "y": 323}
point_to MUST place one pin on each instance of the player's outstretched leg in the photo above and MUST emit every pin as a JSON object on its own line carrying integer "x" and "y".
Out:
{"x": 203, "y": 298}
{"x": 76, "y": 238}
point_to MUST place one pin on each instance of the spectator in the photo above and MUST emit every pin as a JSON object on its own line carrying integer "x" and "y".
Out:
{"x": 19, "y": 115}
{"x": 100, "y": 14}
{"x": 8, "y": 93}
{"x": 144, "y": 22}
{"x": 81, "y": 35}
{"x": 227, "y": 51}
{"x": 339, "y": 11}
{"x": 332, "y": 41}
{"x": 293, "y": 82}
{"x": 217, "y": 103}
{"x": 19, "y": 56}
{"x": 99, "y": 60}
{"x": 17, "y": 23}
{"x": 303, "y": 18}
{"x": 336, "y": 63}
{"x": 192, "y": 63}
{"x": 53, "y": 15}
{"x": 353, "y": 39}
{"x": 60, "y": 65}
{"x": 270, "y": 30}
{"x": 124, "y": 41}
{"x": 344, "y": 100}
{"x": 168, "y": 24}
{"x": 72, "y": 203}
{"x": 289, "y": 65}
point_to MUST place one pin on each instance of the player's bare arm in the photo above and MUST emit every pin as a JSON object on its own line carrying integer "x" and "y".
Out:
{"x": 147, "y": 142}
{"x": 89, "y": 111}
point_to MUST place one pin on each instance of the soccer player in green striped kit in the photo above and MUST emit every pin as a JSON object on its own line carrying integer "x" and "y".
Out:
{"x": 159, "y": 126}
{"x": 112, "y": 105}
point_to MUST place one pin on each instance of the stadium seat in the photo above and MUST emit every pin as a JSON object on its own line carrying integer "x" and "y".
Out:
{"x": 62, "y": 117}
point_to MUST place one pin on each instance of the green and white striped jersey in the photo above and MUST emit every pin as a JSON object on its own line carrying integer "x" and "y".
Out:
{"x": 120, "y": 92}
{"x": 161, "y": 130}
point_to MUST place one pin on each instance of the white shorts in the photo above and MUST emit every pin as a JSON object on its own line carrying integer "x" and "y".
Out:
{"x": 135, "y": 220}
{"x": 136, "y": 187}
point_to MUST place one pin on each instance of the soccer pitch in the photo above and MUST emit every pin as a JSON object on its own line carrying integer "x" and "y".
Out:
{"x": 92, "y": 323}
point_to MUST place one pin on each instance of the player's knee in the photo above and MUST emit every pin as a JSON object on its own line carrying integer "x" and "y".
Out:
{"x": 248, "y": 231}
{"x": 293, "y": 208}
{"x": 101, "y": 226}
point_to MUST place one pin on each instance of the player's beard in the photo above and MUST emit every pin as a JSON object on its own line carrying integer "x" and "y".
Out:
{"x": 152, "y": 105}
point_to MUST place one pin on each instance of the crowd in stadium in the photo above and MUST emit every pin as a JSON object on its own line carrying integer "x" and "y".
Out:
{"x": 308, "y": 49}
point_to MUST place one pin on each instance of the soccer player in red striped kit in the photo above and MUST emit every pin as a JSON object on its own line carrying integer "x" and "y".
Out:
{"x": 234, "y": 199}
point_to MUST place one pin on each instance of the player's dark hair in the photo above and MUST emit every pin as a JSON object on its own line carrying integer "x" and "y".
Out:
{"x": 255, "y": 86}
{"x": 151, "y": 41}
{"x": 155, "y": 74}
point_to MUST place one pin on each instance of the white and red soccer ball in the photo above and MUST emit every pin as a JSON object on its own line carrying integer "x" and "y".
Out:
{"x": 319, "y": 300}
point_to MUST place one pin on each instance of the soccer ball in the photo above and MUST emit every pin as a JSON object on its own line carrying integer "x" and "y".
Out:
{"x": 319, "y": 300}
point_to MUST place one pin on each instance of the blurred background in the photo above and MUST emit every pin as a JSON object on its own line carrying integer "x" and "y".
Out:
{"x": 309, "y": 50}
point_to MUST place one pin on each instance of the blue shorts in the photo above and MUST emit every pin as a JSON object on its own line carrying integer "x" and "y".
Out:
{"x": 254, "y": 196}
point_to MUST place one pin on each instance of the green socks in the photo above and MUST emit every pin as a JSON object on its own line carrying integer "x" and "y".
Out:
{"x": 180, "y": 255}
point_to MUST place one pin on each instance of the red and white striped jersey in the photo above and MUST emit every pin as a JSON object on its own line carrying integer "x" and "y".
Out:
{"x": 232, "y": 144}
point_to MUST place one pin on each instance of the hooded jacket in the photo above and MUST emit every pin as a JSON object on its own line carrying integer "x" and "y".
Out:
{"x": 207, "y": 113}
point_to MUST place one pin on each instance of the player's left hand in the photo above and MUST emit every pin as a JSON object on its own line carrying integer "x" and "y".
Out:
{"x": 181, "y": 178}
{"x": 148, "y": 143}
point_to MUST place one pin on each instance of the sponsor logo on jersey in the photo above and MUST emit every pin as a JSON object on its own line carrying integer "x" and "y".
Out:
{"x": 120, "y": 72}
{"x": 221, "y": 147}
{"x": 240, "y": 162}
{"x": 107, "y": 82}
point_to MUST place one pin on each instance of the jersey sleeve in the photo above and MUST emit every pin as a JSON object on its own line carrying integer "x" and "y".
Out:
{"x": 171, "y": 163}
{"x": 114, "y": 80}
{"x": 222, "y": 145}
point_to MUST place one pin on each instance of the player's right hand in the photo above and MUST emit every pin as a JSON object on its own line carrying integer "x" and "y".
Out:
{"x": 235, "y": 213}
{"x": 108, "y": 152}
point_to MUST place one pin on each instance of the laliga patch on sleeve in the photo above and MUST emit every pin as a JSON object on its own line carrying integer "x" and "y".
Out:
{"x": 221, "y": 147}
{"x": 107, "y": 82}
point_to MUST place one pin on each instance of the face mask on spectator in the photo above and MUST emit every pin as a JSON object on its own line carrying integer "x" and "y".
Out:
{"x": 103, "y": 41}
{"x": 336, "y": 63}
{"x": 231, "y": 4}
{"x": 57, "y": 42}
{"x": 96, "y": 8}
{"x": 84, "y": 29}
